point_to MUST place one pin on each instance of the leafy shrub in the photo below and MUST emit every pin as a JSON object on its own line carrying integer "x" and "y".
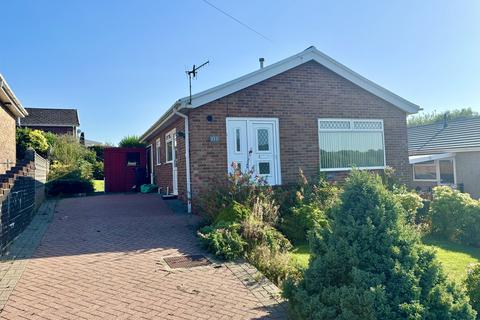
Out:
{"x": 224, "y": 240}
{"x": 28, "y": 138}
{"x": 131, "y": 142}
{"x": 410, "y": 201}
{"x": 240, "y": 187}
{"x": 244, "y": 226}
{"x": 68, "y": 155}
{"x": 372, "y": 265}
{"x": 236, "y": 212}
{"x": 472, "y": 286}
{"x": 69, "y": 186}
{"x": 455, "y": 216}
{"x": 308, "y": 210}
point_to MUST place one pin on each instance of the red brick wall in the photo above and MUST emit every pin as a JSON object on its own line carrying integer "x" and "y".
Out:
{"x": 7, "y": 139}
{"x": 56, "y": 130}
{"x": 163, "y": 173}
{"x": 297, "y": 97}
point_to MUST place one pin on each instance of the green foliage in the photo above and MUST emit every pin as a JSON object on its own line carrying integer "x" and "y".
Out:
{"x": 410, "y": 201}
{"x": 236, "y": 212}
{"x": 35, "y": 139}
{"x": 224, "y": 240}
{"x": 472, "y": 286}
{"x": 132, "y": 141}
{"x": 309, "y": 209}
{"x": 243, "y": 215}
{"x": 68, "y": 155}
{"x": 371, "y": 265}
{"x": 68, "y": 185}
{"x": 455, "y": 216}
{"x": 433, "y": 117}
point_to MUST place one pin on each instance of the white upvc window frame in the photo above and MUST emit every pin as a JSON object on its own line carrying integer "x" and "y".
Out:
{"x": 170, "y": 137}
{"x": 437, "y": 171}
{"x": 352, "y": 129}
{"x": 158, "y": 145}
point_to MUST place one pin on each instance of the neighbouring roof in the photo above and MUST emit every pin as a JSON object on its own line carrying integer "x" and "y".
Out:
{"x": 430, "y": 157}
{"x": 456, "y": 135}
{"x": 51, "y": 117}
{"x": 309, "y": 54}
{"x": 9, "y": 100}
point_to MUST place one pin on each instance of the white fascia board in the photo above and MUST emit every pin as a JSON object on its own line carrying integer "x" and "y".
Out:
{"x": 429, "y": 157}
{"x": 14, "y": 104}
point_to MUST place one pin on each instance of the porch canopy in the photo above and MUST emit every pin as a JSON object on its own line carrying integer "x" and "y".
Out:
{"x": 429, "y": 157}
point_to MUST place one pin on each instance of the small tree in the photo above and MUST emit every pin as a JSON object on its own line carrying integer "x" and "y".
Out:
{"x": 373, "y": 266}
{"x": 35, "y": 139}
{"x": 131, "y": 142}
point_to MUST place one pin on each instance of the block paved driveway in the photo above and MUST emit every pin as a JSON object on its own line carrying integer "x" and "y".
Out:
{"x": 101, "y": 258}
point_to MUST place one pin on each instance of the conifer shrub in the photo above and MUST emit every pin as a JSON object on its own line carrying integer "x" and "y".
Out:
{"x": 472, "y": 286}
{"x": 372, "y": 265}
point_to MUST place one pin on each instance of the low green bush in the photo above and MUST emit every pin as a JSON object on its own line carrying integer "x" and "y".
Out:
{"x": 455, "y": 216}
{"x": 236, "y": 212}
{"x": 69, "y": 186}
{"x": 308, "y": 210}
{"x": 472, "y": 286}
{"x": 224, "y": 240}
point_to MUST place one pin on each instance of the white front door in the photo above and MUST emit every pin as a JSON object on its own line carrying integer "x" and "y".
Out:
{"x": 253, "y": 143}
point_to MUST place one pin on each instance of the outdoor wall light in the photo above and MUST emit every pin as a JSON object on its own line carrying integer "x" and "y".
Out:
{"x": 209, "y": 118}
{"x": 181, "y": 134}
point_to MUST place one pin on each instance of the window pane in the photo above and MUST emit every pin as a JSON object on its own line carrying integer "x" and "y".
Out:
{"x": 237, "y": 140}
{"x": 264, "y": 168}
{"x": 446, "y": 171}
{"x": 351, "y": 149}
{"x": 169, "y": 151}
{"x": 425, "y": 171}
{"x": 262, "y": 137}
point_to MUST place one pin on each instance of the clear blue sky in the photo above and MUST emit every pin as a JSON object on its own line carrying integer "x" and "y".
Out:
{"x": 122, "y": 63}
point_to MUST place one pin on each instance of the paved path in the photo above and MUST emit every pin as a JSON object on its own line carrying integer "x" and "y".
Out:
{"x": 101, "y": 258}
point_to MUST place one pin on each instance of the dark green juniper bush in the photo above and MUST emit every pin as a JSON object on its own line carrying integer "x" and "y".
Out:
{"x": 371, "y": 265}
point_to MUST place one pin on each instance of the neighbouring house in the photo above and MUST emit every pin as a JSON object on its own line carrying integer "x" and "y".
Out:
{"x": 305, "y": 112}
{"x": 11, "y": 111}
{"x": 446, "y": 153}
{"x": 58, "y": 121}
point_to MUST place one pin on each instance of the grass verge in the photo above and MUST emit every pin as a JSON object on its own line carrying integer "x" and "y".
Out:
{"x": 455, "y": 258}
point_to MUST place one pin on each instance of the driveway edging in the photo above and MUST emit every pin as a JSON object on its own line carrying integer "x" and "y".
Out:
{"x": 13, "y": 263}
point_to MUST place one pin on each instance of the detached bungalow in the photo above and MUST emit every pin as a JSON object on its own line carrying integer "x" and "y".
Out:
{"x": 446, "y": 153}
{"x": 305, "y": 112}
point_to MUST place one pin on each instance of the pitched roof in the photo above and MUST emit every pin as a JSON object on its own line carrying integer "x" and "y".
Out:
{"x": 309, "y": 54}
{"x": 51, "y": 117}
{"x": 456, "y": 135}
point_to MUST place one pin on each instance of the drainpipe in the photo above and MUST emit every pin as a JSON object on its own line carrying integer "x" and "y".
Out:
{"x": 187, "y": 159}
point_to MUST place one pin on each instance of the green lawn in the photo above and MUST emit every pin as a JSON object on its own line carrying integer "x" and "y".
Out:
{"x": 454, "y": 257}
{"x": 99, "y": 185}
{"x": 301, "y": 254}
